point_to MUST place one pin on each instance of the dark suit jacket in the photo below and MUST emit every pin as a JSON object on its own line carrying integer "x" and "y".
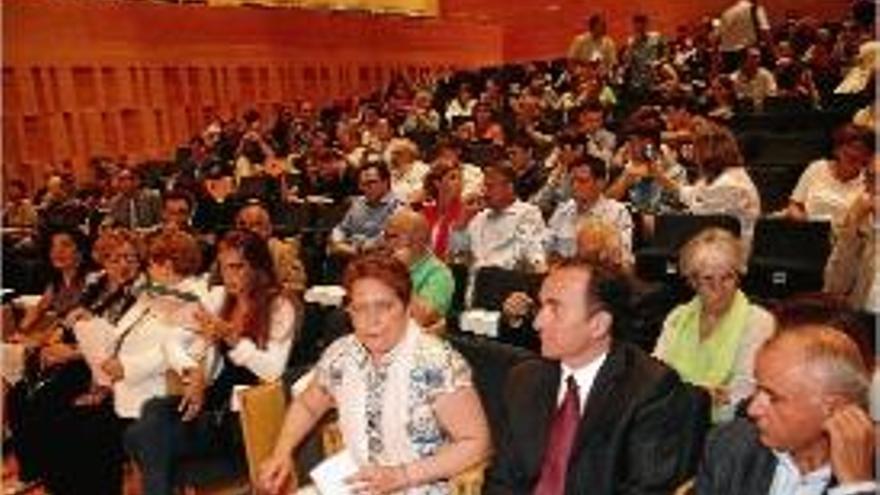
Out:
{"x": 641, "y": 431}
{"x": 147, "y": 209}
{"x": 735, "y": 462}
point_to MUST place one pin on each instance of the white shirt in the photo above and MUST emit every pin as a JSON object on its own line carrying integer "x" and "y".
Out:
{"x": 824, "y": 197}
{"x": 731, "y": 193}
{"x": 585, "y": 376}
{"x": 562, "y": 227}
{"x": 737, "y": 29}
{"x": 268, "y": 363}
{"x": 788, "y": 480}
{"x": 757, "y": 88}
{"x": 504, "y": 238}
{"x": 156, "y": 336}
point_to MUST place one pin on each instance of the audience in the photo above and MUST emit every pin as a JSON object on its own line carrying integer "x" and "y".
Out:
{"x": 752, "y": 82}
{"x": 851, "y": 270}
{"x": 723, "y": 186}
{"x": 595, "y": 44}
{"x": 288, "y": 269}
{"x": 151, "y": 340}
{"x": 443, "y": 208}
{"x": 504, "y": 149}
{"x": 133, "y": 207}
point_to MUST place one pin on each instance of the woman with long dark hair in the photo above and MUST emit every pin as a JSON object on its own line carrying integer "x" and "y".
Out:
{"x": 33, "y": 401}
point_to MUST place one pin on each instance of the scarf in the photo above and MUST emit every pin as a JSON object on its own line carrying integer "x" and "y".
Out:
{"x": 708, "y": 362}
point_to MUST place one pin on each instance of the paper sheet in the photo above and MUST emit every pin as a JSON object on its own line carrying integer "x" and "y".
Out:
{"x": 330, "y": 475}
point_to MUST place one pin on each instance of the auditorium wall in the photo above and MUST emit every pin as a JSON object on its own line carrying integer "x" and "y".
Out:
{"x": 129, "y": 79}
{"x": 134, "y": 79}
{"x": 537, "y": 29}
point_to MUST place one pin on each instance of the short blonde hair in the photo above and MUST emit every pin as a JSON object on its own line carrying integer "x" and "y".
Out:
{"x": 604, "y": 240}
{"x": 711, "y": 242}
{"x": 113, "y": 238}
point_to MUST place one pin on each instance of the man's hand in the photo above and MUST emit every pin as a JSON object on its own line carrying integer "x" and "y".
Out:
{"x": 851, "y": 436}
{"x": 517, "y": 306}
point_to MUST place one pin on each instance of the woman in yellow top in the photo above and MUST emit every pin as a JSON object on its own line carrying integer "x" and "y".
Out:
{"x": 712, "y": 339}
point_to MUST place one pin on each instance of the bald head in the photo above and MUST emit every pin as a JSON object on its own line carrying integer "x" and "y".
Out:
{"x": 408, "y": 235}
{"x": 411, "y": 222}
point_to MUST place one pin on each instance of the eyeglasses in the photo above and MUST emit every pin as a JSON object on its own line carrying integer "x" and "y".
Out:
{"x": 370, "y": 309}
{"x": 118, "y": 258}
{"x": 714, "y": 278}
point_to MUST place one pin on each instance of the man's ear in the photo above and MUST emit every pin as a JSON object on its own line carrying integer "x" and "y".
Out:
{"x": 600, "y": 324}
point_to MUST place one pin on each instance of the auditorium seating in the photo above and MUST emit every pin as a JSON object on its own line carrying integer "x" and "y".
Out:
{"x": 788, "y": 256}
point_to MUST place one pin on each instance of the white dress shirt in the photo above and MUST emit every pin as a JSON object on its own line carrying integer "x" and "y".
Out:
{"x": 506, "y": 238}
{"x": 563, "y": 225}
{"x": 585, "y": 376}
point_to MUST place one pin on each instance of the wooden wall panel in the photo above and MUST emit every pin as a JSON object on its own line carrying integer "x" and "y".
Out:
{"x": 538, "y": 29}
{"x": 132, "y": 80}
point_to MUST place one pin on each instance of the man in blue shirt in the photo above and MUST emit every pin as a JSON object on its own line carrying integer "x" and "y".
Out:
{"x": 362, "y": 225}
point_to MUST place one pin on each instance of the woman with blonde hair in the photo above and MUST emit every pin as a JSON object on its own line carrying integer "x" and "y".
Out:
{"x": 712, "y": 339}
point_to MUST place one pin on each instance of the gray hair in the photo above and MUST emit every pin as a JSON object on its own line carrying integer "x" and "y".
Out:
{"x": 832, "y": 357}
{"x": 713, "y": 240}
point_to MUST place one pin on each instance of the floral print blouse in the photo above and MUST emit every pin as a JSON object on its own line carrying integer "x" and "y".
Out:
{"x": 385, "y": 407}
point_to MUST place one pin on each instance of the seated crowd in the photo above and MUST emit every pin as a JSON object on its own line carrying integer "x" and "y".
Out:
{"x": 165, "y": 288}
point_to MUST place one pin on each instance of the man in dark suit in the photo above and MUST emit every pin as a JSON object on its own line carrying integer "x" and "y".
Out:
{"x": 596, "y": 416}
{"x": 133, "y": 207}
{"x": 808, "y": 433}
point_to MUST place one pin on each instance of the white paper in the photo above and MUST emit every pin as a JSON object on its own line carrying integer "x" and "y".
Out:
{"x": 330, "y": 475}
{"x": 235, "y": 400}
{"x": 481, "y": 322}
{"x": 325, "y": 295}
{"x": 95, "y": 337}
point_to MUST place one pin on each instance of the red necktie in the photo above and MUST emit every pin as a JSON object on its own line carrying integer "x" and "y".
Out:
{"x": 562, "y": 433}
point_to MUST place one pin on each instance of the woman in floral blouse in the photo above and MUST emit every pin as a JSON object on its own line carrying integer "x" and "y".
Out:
{"x": 408, "y": 411}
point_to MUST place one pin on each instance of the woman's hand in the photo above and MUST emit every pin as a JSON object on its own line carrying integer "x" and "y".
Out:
{"x": 214, "y": 328}
{"x": 113, "y": 368}
{"x": 57, "y": 353}
{"x": 377, "y": 480}
{"x": 193, "y": 393}
{"x": 275, "y": 473}
{"x": 76, "y": 315}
